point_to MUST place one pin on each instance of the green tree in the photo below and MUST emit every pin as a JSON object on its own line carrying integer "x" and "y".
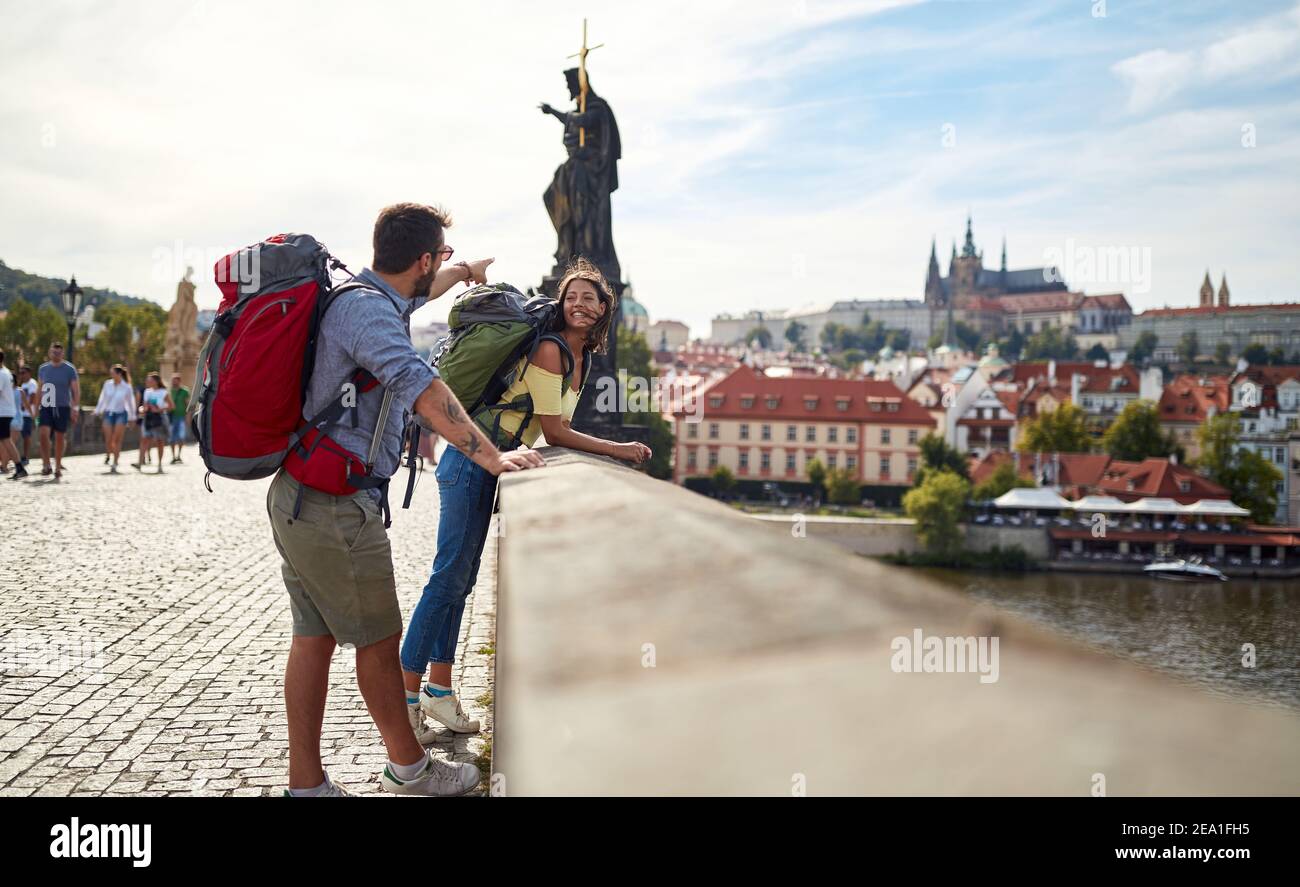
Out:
{"x": 938, "y": 455}
{"x": 723, "y": 480}
{"x": 842, "y": 487}
{"x": 26, "y": 332}
{"x": 1062, "y": 430}
{"x": 635, "y": 357}
{"x": 1250, "y": 479}
{"x": 816, "y": 472}
{"x": 760, "y": 334}
{"x": 936, "y": 506}
{"x": 1136, "y": 434}
{"x": 1222, "y": 353}
{"x": 1052, "y": 343}
{"x": 1003, "y": 479}
{"x": 899, "y": 340}
{"x": 1189, "y": 347}
{"x": 1098, "y": 352}
{"x": 1276, "y": 356}
{"x": 1144, "y": 347}
{"x": 1255, "y": 353}
{"x": 794, "y": 333}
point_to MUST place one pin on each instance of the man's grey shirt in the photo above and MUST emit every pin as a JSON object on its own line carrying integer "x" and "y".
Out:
{"x": 367, "y": 328}
{"x": 56, "y": 383}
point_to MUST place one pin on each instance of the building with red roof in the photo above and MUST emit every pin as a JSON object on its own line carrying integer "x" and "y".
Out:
{"x": 766, "y": 427}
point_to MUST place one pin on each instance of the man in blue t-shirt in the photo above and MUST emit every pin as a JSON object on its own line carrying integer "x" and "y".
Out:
{"x": 59, "y": 394}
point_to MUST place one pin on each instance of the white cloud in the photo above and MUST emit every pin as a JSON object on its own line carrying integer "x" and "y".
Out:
{"x": 1157, "y": 75}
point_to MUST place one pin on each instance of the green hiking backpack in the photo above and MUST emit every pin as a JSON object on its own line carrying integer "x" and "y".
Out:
{"x": 493, "y": 327}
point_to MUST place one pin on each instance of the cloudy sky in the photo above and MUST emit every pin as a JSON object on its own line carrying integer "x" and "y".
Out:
{"x": 775, "y": 152}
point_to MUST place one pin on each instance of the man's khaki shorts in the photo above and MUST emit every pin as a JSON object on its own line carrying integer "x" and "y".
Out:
{"x": 337, "y": 564}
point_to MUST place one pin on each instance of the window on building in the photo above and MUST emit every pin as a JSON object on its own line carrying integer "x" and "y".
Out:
{"x": 765, "y": 432}
{"x": 830, "y": 460}
{"x": 911, "y": 465}
{"x": 690, "y": 459}
{"x": 713, "y": 431}
{"x": 884, "y": 466}
{"x": 851, "y": 434}
{"x": 789, "y": 462}
{"x": 810, "y": 403}
{"x": 746, "y": 402}
{"x": 715, "y": 401}
{"x": 765, "y": 461}
{"x": 832, "y": 434}
{"x": 792, "y": 432}
{"x": 911, "y": 436}
{"x": 810, "y": 433}
{"x": 851, "y": 462}
{"x": 773, "y": 402}
{"x": 884, "y": 435}
{"x": 692, "y": 430}
{"x": 713, "y": 459}
{"x": 744, "y": 431}
{"x": 842, "y": 404}
{"x": 744, "y": 460}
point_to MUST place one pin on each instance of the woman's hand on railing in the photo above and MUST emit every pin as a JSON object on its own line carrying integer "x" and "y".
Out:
{"x": 633, "y": 451}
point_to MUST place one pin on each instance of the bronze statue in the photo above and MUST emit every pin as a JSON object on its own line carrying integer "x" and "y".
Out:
{"x": 578, "y": 198}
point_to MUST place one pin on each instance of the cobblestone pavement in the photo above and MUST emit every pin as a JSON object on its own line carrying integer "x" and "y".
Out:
{"x": 144, "y": 629}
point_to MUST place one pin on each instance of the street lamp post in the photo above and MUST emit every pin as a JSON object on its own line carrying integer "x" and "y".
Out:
{"x": 73, "y": 298}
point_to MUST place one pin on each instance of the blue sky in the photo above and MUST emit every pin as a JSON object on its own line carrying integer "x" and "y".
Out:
{"x": 775, "y": 153}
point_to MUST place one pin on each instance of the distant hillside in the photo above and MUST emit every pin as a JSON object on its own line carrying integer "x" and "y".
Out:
{"x": 42, "y": 290}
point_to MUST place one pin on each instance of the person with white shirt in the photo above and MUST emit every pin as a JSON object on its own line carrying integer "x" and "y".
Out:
{"x": 8, "y": 452}
{"x": 155, "y": 406}
{"x": 25, "y": 398}
{"x": 116, "y": 408}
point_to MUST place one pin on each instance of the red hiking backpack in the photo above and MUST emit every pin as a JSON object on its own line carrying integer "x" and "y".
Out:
{"x": 255, "y": 367}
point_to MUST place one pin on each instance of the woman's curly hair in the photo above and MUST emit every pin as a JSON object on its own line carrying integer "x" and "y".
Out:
{"x": 581, "y": 269}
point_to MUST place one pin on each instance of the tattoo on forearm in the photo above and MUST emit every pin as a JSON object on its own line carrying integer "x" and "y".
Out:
{"x": 452, "y": 408}
{"x": 471, "y": 445}
{"x": 424, "y": 423}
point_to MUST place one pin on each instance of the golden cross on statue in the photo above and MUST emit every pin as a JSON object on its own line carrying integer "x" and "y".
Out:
{"x": 581, "y": 56}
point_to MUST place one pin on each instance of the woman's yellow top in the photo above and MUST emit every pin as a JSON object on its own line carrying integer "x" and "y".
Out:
{"x": 545, "y": 389}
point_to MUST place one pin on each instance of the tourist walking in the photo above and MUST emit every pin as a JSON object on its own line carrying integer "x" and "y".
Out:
{"x": 60, "y": 395}
{"x": 117, "y": 406}
{"x": 25, "y": 394}
{"x": 176, "y": 427}
{"x": 155, "y": 408}
{"x": 8, "y": 410}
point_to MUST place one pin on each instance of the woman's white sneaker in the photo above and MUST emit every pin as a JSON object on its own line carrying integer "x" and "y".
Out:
{"x": 442, "y": 779}
{"x": 446, "y": 710}
{"x": 424, "y": 734}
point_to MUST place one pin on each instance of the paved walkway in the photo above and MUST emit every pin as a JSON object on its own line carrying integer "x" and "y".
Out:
{"x": 144, "y": 629}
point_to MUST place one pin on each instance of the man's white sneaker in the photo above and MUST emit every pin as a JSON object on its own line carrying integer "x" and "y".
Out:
{"x": 442, "y": 779}
{"x": 332, "y": 790}
{"x": 424, "y": 734}
{"x": 446, "y": 710}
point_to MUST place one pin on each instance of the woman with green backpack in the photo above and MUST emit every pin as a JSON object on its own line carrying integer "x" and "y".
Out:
{"x": 466, "y": 492}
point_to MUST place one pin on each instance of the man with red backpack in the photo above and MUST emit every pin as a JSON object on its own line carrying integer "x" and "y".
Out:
{"x": 337, "y": 561}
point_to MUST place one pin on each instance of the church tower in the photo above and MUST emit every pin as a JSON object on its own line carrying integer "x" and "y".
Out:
{"x": 1223, "y": 291}
{"x": 964, "y": 275}
{"x": 1207, "y": 291}
{"x": 933, "y": 280}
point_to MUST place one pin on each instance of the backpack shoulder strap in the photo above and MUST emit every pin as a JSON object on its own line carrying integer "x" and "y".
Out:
{"x": 566, "y": 354}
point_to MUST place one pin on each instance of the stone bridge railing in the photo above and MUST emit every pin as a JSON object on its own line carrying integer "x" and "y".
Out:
{"x": 652, "y": 641}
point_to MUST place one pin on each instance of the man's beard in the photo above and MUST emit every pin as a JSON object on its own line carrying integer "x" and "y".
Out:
{"x": 422, "y": 285}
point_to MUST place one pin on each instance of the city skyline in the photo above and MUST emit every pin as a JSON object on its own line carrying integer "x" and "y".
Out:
{"x": 762, "y": 173}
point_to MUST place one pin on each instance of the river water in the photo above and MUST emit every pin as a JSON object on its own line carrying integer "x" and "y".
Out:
{"x": 1194, "y": 632}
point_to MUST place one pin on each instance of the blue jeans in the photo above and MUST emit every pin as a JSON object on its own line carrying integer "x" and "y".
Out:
{"x": 465, "y": 493}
